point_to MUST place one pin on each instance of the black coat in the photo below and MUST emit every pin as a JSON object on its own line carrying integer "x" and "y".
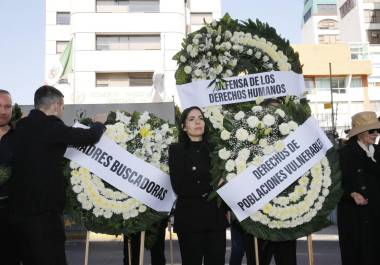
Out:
{"x": 37, "y": 184}
{"x": 359, "y": 225}
{"x": 190, "y": 177}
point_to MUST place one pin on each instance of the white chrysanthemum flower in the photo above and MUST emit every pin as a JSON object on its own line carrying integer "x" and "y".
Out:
{"x": 263, "y": 142}
{"x": 257, "y": 161}
{"x": 243, "y": 154}
{"x": 259, "y": 100}
{"x": 265, "y": 58}
{"x": 182, "y": 59}
{"x": 258, "y": 55}
{"x": 249, "y": 52}
{"x": 284, "y": 128}
{"x": 252, "y": 121}
{"x": 142, "y": 208}
{"x": 269, "y": 120}
{"x": 73, "y": 165}
{"x": 240, "y": 115}
{"x": 224, "y": 154}
{"x": 279, "y": 146}
{"x": 230, "y": 165}
{"x": 292, "y": 125}
{"x": 267, "y": 150}
{"x": 280, "y": 112}
{"x": 77, "y": 188}
{"x": 198, "y": 72}
{"x": 303, "y": 181}
{"x": 230, "y": 176}
{"x": 257, "y": 109}
{"x": 240, "y": 166}
{"x": 327, "y": 182}
{"x": 242, "y": 134}
{"x": 187, "y": 69}
{"x": 219, "y": 69}
{"x": 229, "y": 73}
{"x": 251, "y": 138}
{"x": 225, "y": 135}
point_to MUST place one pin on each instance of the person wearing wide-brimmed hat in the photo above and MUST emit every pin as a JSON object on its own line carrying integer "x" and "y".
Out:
{"x": 359, "y": 208}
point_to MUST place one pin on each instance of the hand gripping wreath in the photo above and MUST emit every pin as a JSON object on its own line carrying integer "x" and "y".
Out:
{"x": 243, "y": 133}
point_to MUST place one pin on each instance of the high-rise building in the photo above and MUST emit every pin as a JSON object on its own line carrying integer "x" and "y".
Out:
{"x": 355, "y": 87}
{"x": 320, "y": 22}
{"x": 121, "y": 49}
{"x": 359, "y": 24}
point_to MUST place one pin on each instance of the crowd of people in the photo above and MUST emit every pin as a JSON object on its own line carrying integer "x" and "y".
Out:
{"x": 32, "y": 201}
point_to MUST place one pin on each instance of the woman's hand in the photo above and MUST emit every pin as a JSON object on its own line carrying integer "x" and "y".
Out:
{"x": 359, "y": 199}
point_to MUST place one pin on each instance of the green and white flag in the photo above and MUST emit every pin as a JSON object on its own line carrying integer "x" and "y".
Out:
{"x": 60, "y": 66}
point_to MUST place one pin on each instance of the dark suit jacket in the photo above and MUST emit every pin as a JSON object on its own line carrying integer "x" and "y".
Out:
{"x": 190, "y": 177}
{"x": 37, "y": 184}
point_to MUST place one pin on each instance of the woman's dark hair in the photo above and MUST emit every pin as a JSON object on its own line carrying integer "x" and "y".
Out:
{"x": 182, "y": 135}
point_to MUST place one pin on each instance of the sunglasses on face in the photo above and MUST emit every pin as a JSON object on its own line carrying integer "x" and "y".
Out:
{"x": 373, "y": 131}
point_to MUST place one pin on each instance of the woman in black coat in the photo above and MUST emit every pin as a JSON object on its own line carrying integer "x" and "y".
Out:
{"x": 359, "y": 208}
{"x": 200, "y": 224}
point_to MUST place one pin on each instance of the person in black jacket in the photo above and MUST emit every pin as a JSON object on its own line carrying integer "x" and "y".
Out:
{"x": 200, "y": 224}
{"x": 8, "y": 254}
{"x": 359, "y": 207}
{"x": 37, "y": 184}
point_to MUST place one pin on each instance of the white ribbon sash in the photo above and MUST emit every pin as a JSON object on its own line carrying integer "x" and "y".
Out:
{"x": 256, "y": 186}
{"x": 242, "y": 89}
{"x": 124, "y": 171}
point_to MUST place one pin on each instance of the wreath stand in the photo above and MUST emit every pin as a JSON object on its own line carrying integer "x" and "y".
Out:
{"x": 87, "y": 249}
{"x": 142, "y": 249}
{"x": 310, "y": 251}
{"x": 170, "y": 242}
{"x": 142, "y": 243}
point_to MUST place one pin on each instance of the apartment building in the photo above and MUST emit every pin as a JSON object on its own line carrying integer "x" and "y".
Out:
{"x": 121, "y": 49}
{"x": 320, "y": 22}
{"x": 349, "y": 83}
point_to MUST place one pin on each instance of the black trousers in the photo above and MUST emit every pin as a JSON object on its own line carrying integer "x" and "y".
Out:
{"x": 206, "y": 246}
{"x": 241, "y": 243}
{"x": 157, "y": 252}
{"x": 9, "y": 254}
{"x": 284, "y": 252}
{"x": 41, "y": 239}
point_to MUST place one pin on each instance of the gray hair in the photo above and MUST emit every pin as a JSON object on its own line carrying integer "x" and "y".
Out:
{"x": 45, "y": 96}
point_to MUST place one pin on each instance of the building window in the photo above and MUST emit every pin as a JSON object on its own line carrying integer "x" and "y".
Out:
{"x": 326, "y": 9}
{"x": 372, "y": 16}
{"x": 63, "y": 18}
{"x": 60, "y": 46}
{"x": 130, "y": 79}
{"x": 128, "y": 42}
{"x": 199, "y": 18}
{"x": 328, "y": 39}
{"x": 309, "y": 83}
{"x": 373, "y": 36}
{"x": 347, "y": 7}
{"x": 307, "y": 15}
{"x": 328, "y": 24}
{"x": 356, "y": 81}
{"x": 127, "y": 6}
{"x": 338, "y": 84}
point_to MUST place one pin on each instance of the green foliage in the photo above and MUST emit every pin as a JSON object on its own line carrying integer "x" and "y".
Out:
{"x": 297, "y": 110}
{"x": 145, "y": 221}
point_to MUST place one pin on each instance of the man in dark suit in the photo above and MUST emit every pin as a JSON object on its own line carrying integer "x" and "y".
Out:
{"x": 8, "y": 254}
{"x": 37, "y": 184}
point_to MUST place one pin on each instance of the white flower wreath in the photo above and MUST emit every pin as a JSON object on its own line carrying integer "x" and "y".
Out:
{"x": 142, "y": 137}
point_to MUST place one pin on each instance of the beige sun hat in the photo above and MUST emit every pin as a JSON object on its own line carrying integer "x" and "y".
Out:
{"x": 363, "y": 121}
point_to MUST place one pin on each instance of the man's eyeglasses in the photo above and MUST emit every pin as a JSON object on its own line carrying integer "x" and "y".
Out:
{"x": 373, "y": 131}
